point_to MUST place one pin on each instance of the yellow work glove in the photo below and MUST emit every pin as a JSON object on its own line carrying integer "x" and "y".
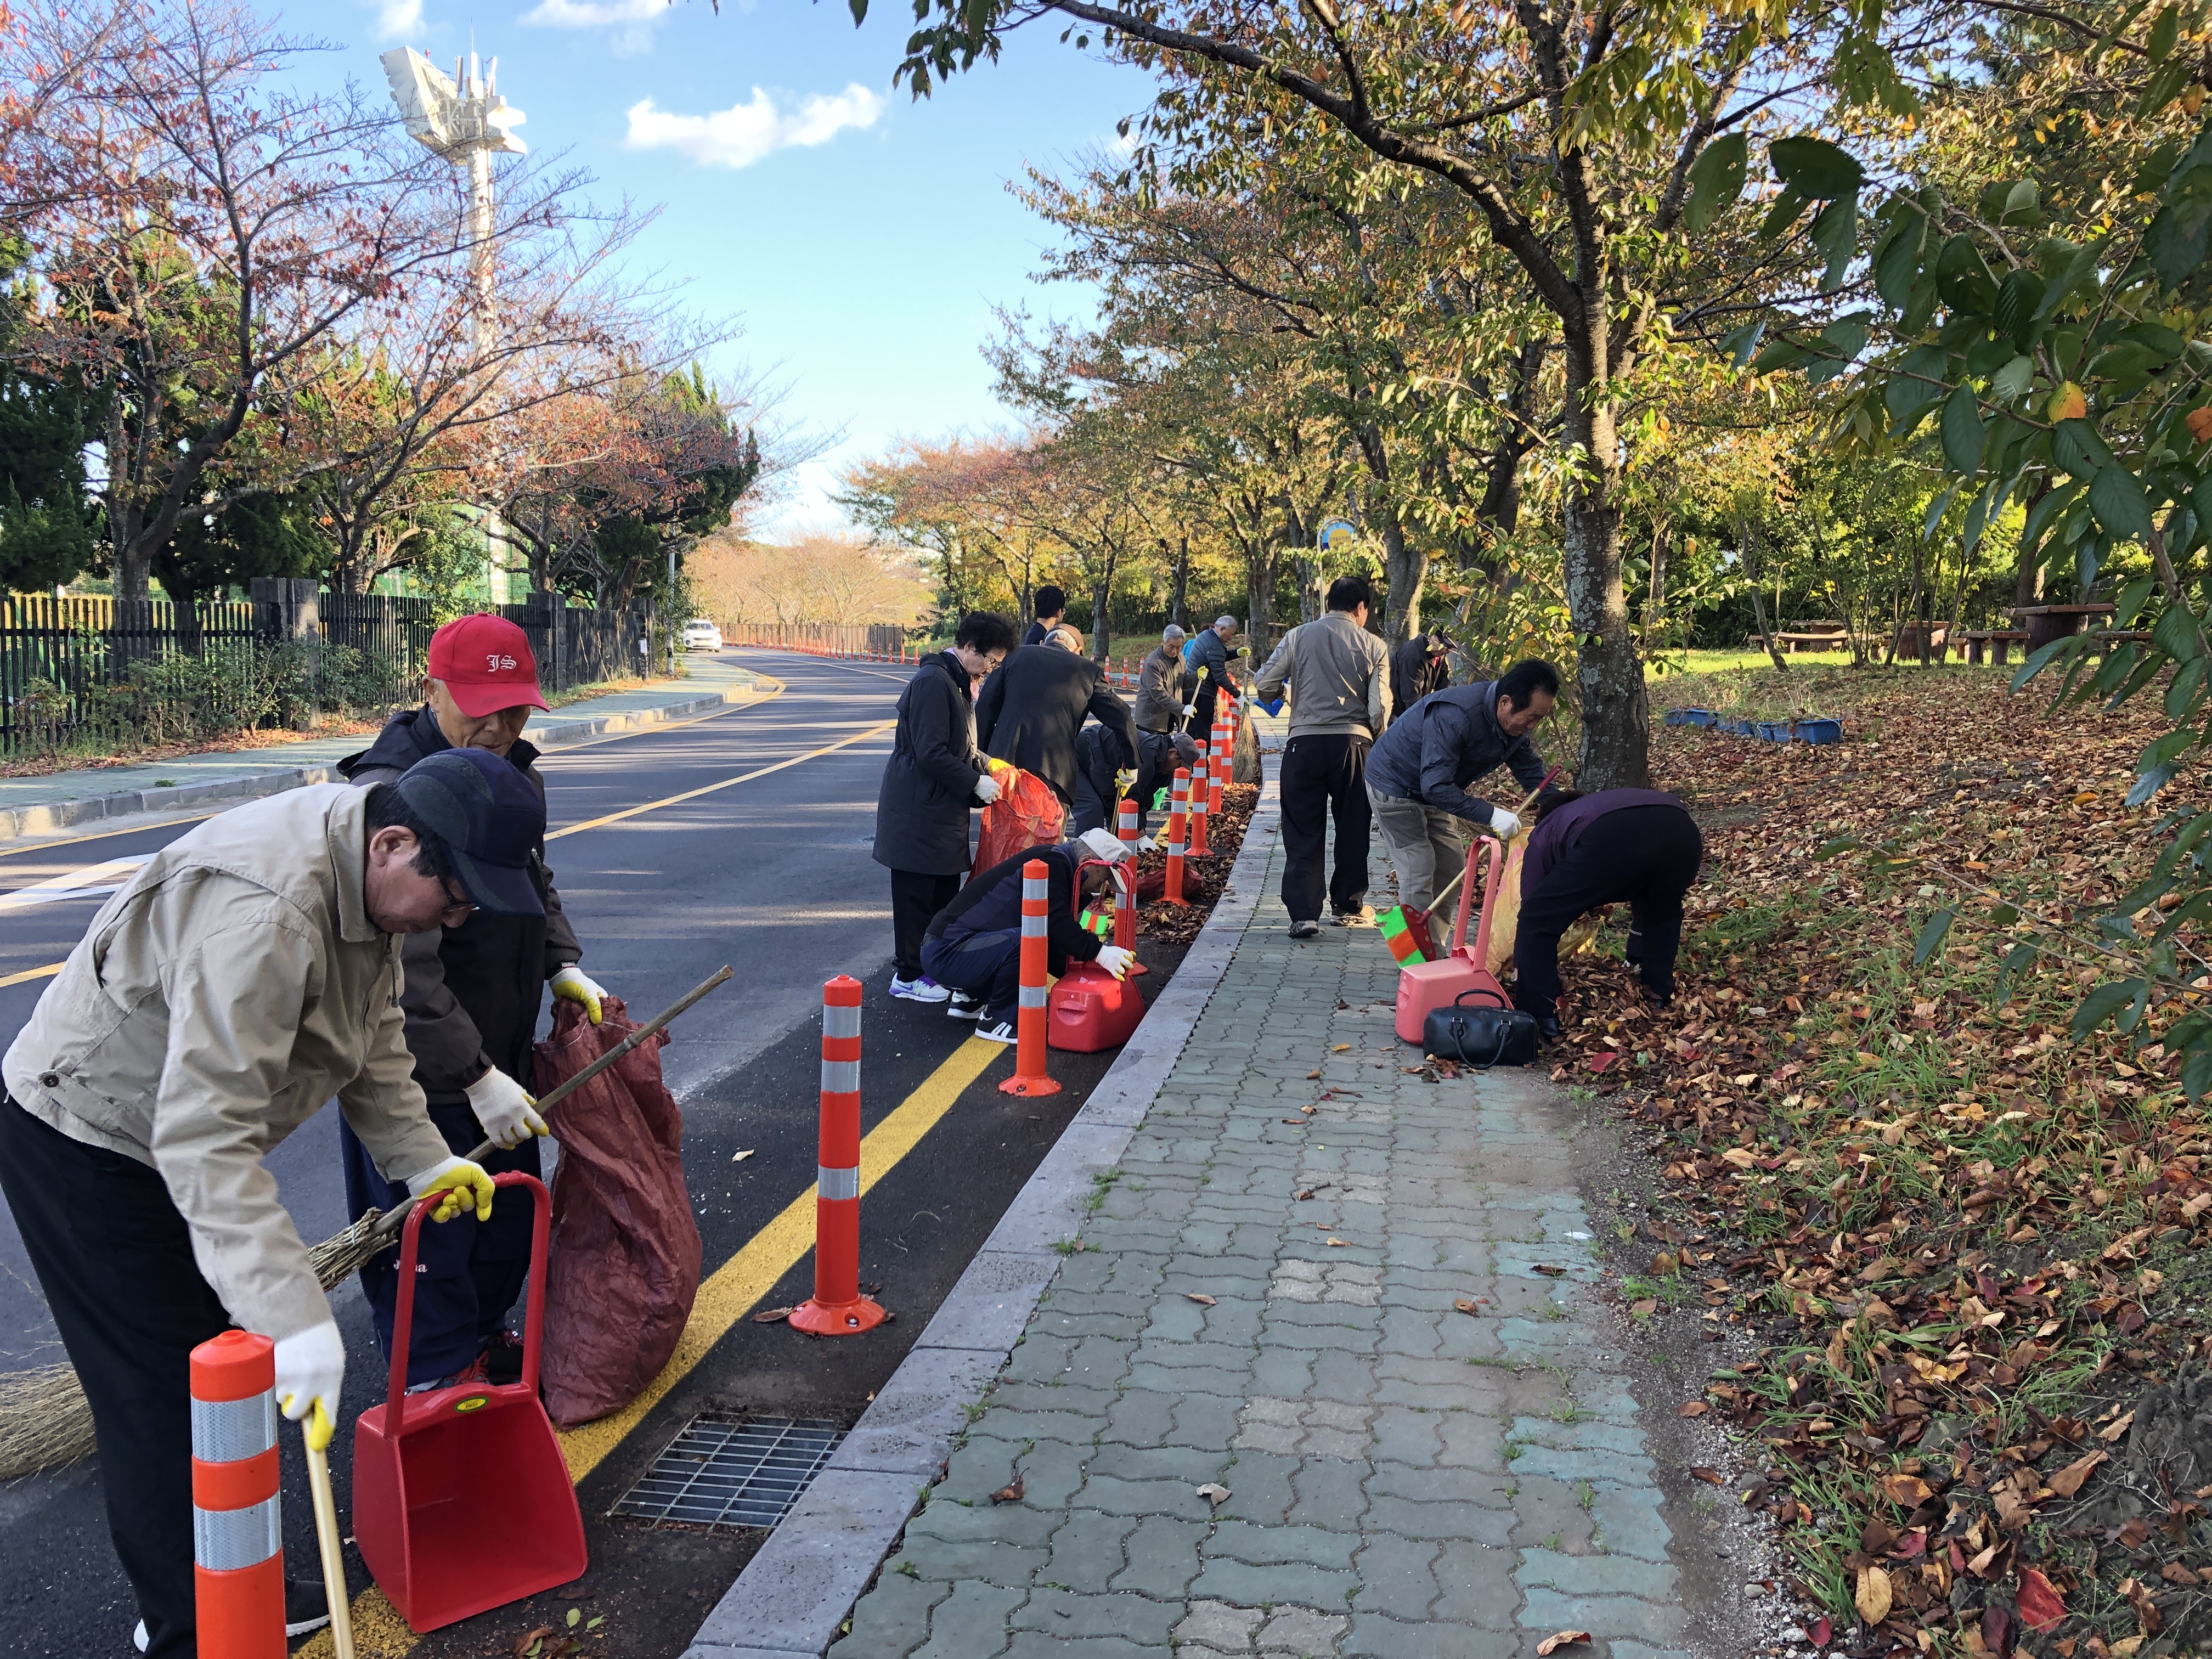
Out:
{"x": 320, "y": 1428}
{"x": 575, "y": 984}
{"x": 997, "y": 768}
{"x": 459, "y": 1185}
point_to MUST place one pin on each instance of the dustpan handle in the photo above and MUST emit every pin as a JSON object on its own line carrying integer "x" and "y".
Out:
{"x": 403, "y": 1317}
{"x": 1490, "y": 885}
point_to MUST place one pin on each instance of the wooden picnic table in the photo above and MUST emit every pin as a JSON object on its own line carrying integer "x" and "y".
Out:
{"x": 2046, "y": 623}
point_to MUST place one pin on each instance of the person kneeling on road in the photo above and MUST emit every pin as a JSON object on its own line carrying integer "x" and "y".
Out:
{"x": 245, "y": 974}
{"x": 974, "y": 944}
{"x": 1639, "y": 845}
{"x": 472, "y": 1000}
{"x": 1105, "y": 777}
{"x": 934, "y": 778}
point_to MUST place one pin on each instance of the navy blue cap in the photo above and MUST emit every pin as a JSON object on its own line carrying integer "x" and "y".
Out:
{"x": 489, "y": 820}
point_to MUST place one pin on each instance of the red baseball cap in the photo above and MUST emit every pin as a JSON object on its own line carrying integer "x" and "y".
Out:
{"x": 486, "y": 664}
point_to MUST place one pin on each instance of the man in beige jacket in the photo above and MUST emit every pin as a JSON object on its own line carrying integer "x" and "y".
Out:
{"x": 246, "y": 973}
{"x": 1338, "y": 676}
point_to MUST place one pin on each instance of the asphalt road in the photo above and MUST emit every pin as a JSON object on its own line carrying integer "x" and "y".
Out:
{"x": 771, "y": 875}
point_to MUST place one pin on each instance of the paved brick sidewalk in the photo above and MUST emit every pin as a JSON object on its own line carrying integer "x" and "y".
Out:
{"x": 1403, "y": 1479}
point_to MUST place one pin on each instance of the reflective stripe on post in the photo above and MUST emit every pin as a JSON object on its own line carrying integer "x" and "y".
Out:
{"x": 238, "y": 1532}
{"x": 1125, "y": 885}
{"x": 1198, "y": 803}
{"x": 837, "y": 1308}
{"x": 1178, "y": 818}
{"x": 1029, "y": 1077}
{"x": 1224, "y": 739}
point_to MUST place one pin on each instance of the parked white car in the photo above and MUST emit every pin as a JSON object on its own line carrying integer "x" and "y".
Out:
{"x": 700, "y": 635}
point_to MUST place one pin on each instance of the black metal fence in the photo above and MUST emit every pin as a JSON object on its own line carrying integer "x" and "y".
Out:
{"x": 93, "y": 669}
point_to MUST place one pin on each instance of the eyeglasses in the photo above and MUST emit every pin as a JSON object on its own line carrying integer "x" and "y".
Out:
{"x": 459, "y": 908}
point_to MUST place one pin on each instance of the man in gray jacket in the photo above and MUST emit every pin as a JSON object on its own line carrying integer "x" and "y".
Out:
{"x": 1417, "y": 774}
{"x": 1207, "y": 657}
{"x": 1162, "y": 683}
{"x": 247, "y": 972}
{"x": 1338, "y": 676}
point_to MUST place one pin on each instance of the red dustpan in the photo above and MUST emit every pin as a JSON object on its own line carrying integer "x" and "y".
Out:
{"x": 461, "y": 1499}
{"x": 1425, "y": 985}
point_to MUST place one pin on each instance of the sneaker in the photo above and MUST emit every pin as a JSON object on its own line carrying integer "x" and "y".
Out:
{"x": 1361, "y": 917}
{"x": 964, "y": 1006}
{"x": 307, "y": 1606}
{"x": 998, "y": 1031}
{"x": 919, "y": 989}
{"x": 474, "y": 1371}
{"x": 1304, "y": 929}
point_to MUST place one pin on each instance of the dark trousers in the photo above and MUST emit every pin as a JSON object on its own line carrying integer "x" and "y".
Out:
{"x": 467, "y": 1273}
{"x": 1322, "y": 777}
{"x": 1092, "y": 811}
{"x": 1200, "y": 724}
{"x": 916, "y": 898}
{"x": 1648, "y": 855}
{"x": 986, "y": 965}
{"x": 114, "y": 1260}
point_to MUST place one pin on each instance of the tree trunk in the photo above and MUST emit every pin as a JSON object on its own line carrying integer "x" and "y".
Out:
{"x": 1259, "y": 599}
{"x": 1766, "y": 633}
{"x": 1616, "y": 750}
{"x": 1100, "y": 591}
{"x": 1406, "y": 568}
{"x": 1655, "y": 608}
{"x": 2028, "y": 580}
{"x": 1911, "y": 609}
{"x": 1177, "y": 593}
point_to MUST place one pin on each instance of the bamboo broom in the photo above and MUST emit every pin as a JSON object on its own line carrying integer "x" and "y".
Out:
{"x": 46, "y": 1422}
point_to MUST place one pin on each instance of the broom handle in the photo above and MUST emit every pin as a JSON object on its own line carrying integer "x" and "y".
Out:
{"x": 1445, "y": 892}
{"x": 391, "y": 1223}
{"x": 326, "y": 1541}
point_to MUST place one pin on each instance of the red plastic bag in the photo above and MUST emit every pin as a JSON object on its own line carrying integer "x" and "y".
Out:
{"x": 624, "y": 1262}
{"x": 1026, "y": 814}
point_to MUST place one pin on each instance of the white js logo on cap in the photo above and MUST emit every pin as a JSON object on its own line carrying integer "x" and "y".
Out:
{"x": 495, "y": 662}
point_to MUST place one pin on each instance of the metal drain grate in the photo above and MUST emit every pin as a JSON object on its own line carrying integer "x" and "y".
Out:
{"x": 733, "y": 1471}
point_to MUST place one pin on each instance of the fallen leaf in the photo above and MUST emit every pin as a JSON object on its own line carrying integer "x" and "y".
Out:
{"x": 1214, "y": 1495}
{"x": 1298, "y": 1121}
{"x": 1307, "y": 1194}
{"x": 1644, "y": 1308}
{"x": 2040, "y": 1604}
{"x": 1012, "y": 1492}
{"x": 1561, "y": 1638}
{"x": 522, "y": 1642}
{"x": 2148, "y": 1620}
{"x": 2135, "y": 1534}
{"x": 1820, "y": 1630}
{"x": 2174, "y": 1573}
{"x": 739, "y": 1157}
{"x": 1201, "y": 1297}
{"x": 1665, "y": 1263}
{"x": 771, "y": 1316}
{"x": 1550, "y": 1271}
{"x": 1338, "y": 1242}
{"x": 2067, "y": 1480}
{"x": 1337, "y": 1047}
{"x": 1692, "y": 1408}
{"x": 2116, "y": 1428}
{"x": 1905, "y": 1490}
{"x": 1710, "y": 1477}
{"x": 1872, "y": 1596}
{"x": 1311, "y": 1075}
{"x": 1464, "y": 1306}
{"x": 1599, "y": 1062}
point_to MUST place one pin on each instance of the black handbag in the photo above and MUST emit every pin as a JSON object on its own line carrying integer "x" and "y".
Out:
{"x": 1481, "y": 1037}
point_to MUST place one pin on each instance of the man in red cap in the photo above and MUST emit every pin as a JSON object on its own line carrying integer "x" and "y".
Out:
{"x": 473, "y": 995}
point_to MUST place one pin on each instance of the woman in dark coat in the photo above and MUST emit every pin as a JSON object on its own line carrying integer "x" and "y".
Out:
{"x": 1637, "y": 845}
{"x": 932, "y": 781}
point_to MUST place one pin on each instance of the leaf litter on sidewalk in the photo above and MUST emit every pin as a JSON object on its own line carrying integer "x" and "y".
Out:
{"x": 1968, "y": 1242}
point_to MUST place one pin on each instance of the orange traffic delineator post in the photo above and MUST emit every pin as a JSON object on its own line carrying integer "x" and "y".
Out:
{"x": 837, "y": 1308}
{"x": 1029, "y": 1077}
{"x": 1125, "y": 888}
{"x": 1224, "y": 741}
{"x": 1201, "y": 781}
{"x": 238, "y": 1531}
{"x": 1178, "y": 818}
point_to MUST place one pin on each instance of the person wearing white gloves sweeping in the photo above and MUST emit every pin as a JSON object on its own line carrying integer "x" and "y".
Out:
{"x": 475, "y": 992}
{"x": 245, "y": 974}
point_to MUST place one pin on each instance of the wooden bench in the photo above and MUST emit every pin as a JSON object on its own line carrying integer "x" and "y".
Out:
{"x": 1816, "y": 640}
{"x": 2046, "y": 623}
{"x": 1998, "y": 642}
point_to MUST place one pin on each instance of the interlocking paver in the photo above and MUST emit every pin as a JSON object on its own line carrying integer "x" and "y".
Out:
{"x": 1403, "y": 1479}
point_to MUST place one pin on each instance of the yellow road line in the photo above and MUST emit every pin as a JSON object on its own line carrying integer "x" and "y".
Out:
{"x": 30, "y": 973}
{"x": 707, "y": 789}
{"x": 732, "y": 1292}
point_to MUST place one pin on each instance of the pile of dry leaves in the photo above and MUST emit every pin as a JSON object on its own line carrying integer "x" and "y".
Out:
{"x": 1203, "y": 879}
{"x": 1967, "y": 1247}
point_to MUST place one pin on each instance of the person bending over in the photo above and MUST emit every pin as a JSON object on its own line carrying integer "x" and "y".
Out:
{"x": 1639, "y": 845}
{"x": 1102, "y": 764}
{"x": 974, "y": 944}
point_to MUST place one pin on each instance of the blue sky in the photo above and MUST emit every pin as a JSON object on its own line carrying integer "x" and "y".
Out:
{"x": 862, "y": 238}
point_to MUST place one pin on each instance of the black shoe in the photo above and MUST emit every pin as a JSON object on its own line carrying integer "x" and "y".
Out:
{"x": 306, "y": 1606}
{"x": 1548, "y": 1028}
{"x": 1305, "y": 929}
{"x": 964, "y": 1006}
{"x": 502, "y": 1357}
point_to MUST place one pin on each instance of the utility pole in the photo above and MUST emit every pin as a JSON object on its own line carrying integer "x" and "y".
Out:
{"x": 464, "y": 120}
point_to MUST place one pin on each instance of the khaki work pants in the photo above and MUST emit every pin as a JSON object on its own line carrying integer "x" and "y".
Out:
{"x": 1428, "y": 846}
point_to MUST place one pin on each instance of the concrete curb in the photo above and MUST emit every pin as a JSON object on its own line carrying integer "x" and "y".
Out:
{"x": 44, "y": 817}
{"x": 792, "y": 1597}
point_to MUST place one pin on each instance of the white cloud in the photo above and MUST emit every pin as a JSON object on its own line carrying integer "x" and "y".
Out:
{"x": 396, "y": 19}
{"x": 742, "y": 134}
{"x": 594, "y": 14}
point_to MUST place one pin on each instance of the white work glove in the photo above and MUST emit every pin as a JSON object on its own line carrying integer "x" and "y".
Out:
{"x": 1507, "y": 824}
{"x": 575, "y": 984}
{"x": 987, "y": 788}
{"x": 310, "y": 1366}
{"x": 1189, "y": 709}
{"x": 505, "y": 1109}
{"x": 460, "y": 1185}
{"x": 1116, "y": 961}
{"x": 1147, "y": 844}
